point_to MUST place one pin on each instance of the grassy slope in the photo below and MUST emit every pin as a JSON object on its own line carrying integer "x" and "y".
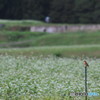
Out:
{"x": 42, "y": 39}
{"x": 69, "y": 39}
{"x": 62, "y": 40}
{"x": 9, "y": 23}
{"x": 11, "y": 36}
{"x": 45, "y": 39}
{"x": 60, "y": 51}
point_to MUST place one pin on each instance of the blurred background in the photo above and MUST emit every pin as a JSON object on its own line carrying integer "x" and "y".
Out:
{"x": 61, "y": 11}
{"x": 59, "y": 27}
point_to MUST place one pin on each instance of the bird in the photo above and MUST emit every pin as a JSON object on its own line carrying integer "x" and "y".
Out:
{"x": 86, "y": 64}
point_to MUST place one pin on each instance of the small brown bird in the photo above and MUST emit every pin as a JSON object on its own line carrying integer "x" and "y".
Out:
{"x": 86, "y": 64}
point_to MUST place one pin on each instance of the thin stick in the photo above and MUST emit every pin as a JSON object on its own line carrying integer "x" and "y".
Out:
{"x": 85, "y": 83}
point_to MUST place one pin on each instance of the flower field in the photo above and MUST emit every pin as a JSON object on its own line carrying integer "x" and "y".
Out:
{"x": 49, "y": 78}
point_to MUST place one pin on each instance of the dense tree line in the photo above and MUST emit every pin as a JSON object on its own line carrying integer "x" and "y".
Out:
{"x": 65, "y": 11}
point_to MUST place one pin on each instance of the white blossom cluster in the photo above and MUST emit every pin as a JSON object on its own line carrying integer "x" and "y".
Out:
{"x": 37, "y": 77}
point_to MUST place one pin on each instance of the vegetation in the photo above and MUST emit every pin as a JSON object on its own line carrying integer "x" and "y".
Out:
{"x": 12, "y": 23}
{"x": 67, "y": 44}
{"x": 62, "y": 45}
{"x": 69, "y": 38}
{"x": 50, "y": 78}
{"x": 51, "y": 68}
{"x": 58, "y": 51}
{"x": 26, "y": 38}
{"x": 65, "y": 11}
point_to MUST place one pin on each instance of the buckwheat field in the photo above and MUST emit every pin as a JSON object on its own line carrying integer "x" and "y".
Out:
{"x": 50, "y": 78}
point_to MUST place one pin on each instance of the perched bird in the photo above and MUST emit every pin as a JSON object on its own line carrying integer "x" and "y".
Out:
{"x": 86, "y": 64}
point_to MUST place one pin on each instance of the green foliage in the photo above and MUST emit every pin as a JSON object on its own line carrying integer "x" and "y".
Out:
{"x": 58, "y": 51}
{"x": 96, "y": 12}
{"x": 84, "y": 10}
{"x": 65, "y": 11}
{"x": 44, "y": 39}
{"x": 68, "y": 39}
{"x": 19, "y": 36}
{"x": 13, "y": 23}
{"x": 50, "y": 78}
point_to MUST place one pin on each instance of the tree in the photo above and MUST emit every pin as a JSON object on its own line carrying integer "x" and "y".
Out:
{"x": 84, "y": 10}
{"x": 62, "y": 11}
{"x": 68, "y": 13}
{"x": 2, "y": 8}
{"x": 96, "y": 13}
{"x": 35, "y": 9}
{"x": 65, "y": 11}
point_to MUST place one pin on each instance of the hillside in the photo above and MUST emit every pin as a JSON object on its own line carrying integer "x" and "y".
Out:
{"x": 43, "y": 43}
{"x": 12, "y": 34}
{"x": 26, "y": 39}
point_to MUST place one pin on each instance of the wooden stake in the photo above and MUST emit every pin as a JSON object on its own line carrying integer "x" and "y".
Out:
{"x": 86, "y": 83}
{"x": 86, "y": 92}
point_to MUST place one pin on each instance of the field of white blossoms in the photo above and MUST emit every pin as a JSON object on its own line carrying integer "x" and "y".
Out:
{"x": 50, "y": 78}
